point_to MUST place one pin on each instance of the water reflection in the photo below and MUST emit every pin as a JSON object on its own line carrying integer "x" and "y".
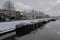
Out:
{"x": 23, "y": 31}
{"x": 10, "y": 38}
{"x": 40, "y": 28}
{"x": 49, "y": 31}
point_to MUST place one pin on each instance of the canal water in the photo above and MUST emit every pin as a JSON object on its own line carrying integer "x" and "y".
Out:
{"x": 49, "y": 31}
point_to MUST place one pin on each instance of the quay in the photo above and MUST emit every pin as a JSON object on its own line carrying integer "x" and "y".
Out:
{"x": 8, "y": 29}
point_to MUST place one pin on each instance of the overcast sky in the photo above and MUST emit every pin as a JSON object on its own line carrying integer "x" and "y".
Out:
{"x": 51, "y": 7}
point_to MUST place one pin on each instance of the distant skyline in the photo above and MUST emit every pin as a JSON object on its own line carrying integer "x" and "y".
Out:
{"x": 50, "y": 7}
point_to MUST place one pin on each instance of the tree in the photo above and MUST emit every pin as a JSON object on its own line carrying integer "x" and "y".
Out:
{"x": 8, "y": 5}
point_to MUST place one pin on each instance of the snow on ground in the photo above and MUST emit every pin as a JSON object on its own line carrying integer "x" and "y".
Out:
{"x": 4, "y": 26}
{"x": 7, "y": 26}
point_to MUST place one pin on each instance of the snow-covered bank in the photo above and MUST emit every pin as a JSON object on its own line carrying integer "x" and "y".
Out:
{"x": 8, "y": 26}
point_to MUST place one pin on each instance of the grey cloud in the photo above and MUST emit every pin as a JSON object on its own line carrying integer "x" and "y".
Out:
{"x": 56, "y": 7}
{"x": 47, "y": 6}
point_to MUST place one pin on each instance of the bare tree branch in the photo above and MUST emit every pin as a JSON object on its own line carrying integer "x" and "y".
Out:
{"x": 8, "y": 5}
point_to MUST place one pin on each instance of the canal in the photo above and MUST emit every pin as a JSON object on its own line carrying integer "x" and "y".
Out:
{"x": 49, "y": 31}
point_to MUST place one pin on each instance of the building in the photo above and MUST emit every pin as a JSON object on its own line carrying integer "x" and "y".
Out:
{"x": 10, "y": 14}
{"x": 34, "y": 14}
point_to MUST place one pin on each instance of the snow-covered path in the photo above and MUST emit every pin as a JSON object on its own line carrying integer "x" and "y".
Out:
{"x": 8, "y": 26}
